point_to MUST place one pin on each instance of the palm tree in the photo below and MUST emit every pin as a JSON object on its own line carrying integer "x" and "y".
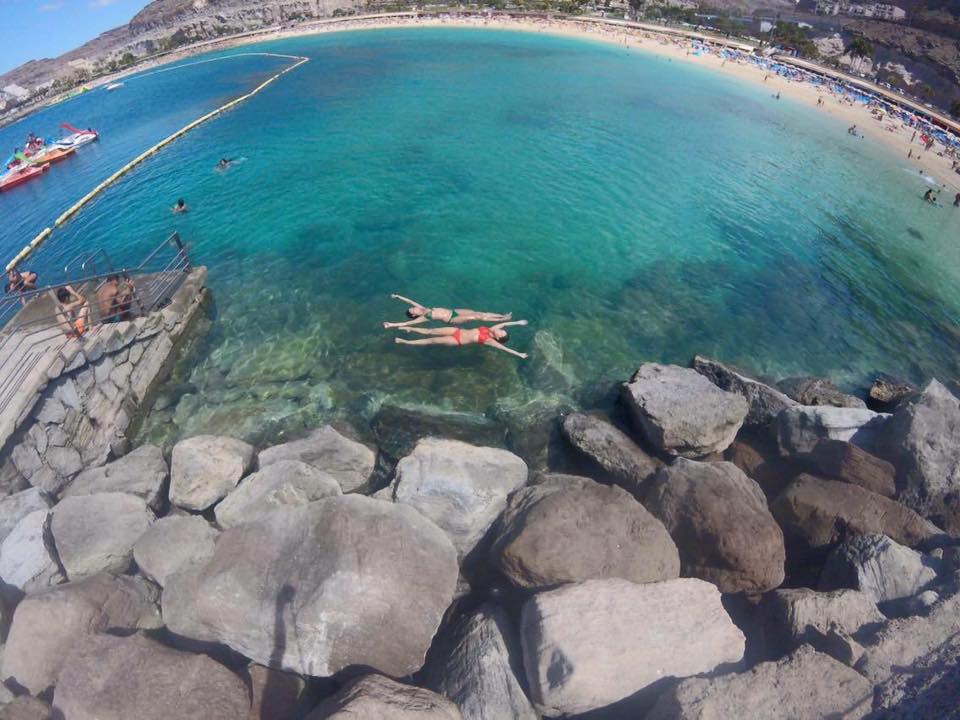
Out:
{"x": 860, "y": 48}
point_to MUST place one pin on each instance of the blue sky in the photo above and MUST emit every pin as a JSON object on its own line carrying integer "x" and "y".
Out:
{"x": 34, "y": 29}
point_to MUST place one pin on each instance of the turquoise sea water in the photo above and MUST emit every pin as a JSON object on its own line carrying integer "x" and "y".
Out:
{"x": 631, "y": 208}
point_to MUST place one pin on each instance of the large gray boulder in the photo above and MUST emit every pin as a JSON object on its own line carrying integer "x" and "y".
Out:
{"x": 48, "y": 625}
{"x": 172, "y": 543}
{"x": 204, "y": 468}
{"x": 276, "y": 695}
{"x": 551, "y": 535}
{"x": 285, "y": 482}
{"x": 142, "y": 472}
{"x": 26, "y": 707}
{"x": 617, "y": 456}
{"x": 794, "y": 616}
{"x": 460, "y": 487}
{"x": 475, "y": 664}
{"x": 811, "y": 391}
{"x": 14, "y": 508}
{"x": 349, "y": 462}
{"x": 765, "y": 402}
{"x": 344, "y": 581}
{"x": 817, "y": 512}
{"x": 120, "y": 678}
{"x": 27, "y": 558}
{"x": 375, "y": 696}
{"x": 878, "y": 566}
{"x": 923, "y": 441}
{"x": 845, "y": 461}
{"x": 801, "y": 428}
{"x": 718, "y": 518}
{"x": 806, "y": 685}
{"x": 680, "y": 412}
{"x": 593, "y": 644}
{"x": 96, "y": 533}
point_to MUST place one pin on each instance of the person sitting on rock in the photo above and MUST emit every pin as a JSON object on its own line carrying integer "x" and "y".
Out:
{"x": 20, "y": 282}
{"x": 115, "y": 299}
{"x": 73, "y": 311}
{"x": 419, "y": 314}
{"x": 494, "y": 337}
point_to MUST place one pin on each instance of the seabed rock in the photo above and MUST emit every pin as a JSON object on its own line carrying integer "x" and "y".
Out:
{"x": 399, "y": 427}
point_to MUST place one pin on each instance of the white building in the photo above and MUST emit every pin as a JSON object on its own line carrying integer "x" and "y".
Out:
{"x": 16, "y": 92}
{"x": 880, "y": 11}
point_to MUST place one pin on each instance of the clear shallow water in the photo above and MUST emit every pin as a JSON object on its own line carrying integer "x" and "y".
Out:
{"x": 631, "y": 208}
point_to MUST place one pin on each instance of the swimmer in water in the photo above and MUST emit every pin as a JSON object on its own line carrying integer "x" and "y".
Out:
{"x": 420, "y": 314}
{"x": 180, "y": 207}
{"x": 956, "y": 200}
{"x": 494, "y": 336}
{"x": 224, "y": 163}
{"x": 930, "y": 197}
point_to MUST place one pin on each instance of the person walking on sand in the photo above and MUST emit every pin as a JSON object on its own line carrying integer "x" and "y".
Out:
{"x": 494, "y": 337}
{"x": 420, "y": 314}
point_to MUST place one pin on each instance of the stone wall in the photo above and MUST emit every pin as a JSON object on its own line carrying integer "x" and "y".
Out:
{"x": 96, "y": 389}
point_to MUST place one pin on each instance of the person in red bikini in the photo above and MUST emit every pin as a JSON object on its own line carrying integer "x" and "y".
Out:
{"x": 494, "y": 336}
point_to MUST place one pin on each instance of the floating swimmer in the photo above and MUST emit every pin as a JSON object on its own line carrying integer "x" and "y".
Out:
{"x": 494, "y": 337}
{"x": 180, "y": 207}
{"x": 224, "y": 164}
{"x": 420, "y": 314}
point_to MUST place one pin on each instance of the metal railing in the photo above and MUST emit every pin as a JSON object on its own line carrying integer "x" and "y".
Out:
{"x": 30, "y": 332}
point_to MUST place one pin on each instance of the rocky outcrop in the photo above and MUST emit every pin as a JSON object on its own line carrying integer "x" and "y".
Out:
{"x": 275, "y": 694}
{"x": 16, "y": 507}
{"x": 878, "y": 566}
{"x": 374, "y": 696}
{"x": 818, "y": 511}
{"x": 96, "y": 533}
{"x": 171, "y": 544}
{"x": 205, "y": 468}
{"x": 49, "y": 625}
{"x": 680, "y": 412}
{"x": 762, "y": 463}
{"x": 801, "y": 428}
{"x": 595, "y": 644}
{"x": 335, "y": 586}
{"x": 718, "y": 518}
{"x": 764, "y": 401}
{"x": 923, "y": 440}
{"x": 27, "y": 558}
{"x": 812, "y": 391}
{"x": 142, "y": 473}
{"x": 26, "y": 707}
{"x": 119, "y": 678}
{"x": 886, "y": 395}
{"x": 285, "y": 482}
{"x": 551, "y": 535}
{"x": 474, "y": 665}
{"x": 806, "y": 685}
{"x": 398, "y": 427}
{"x": 794, "y": 616}
{"x": 847, "y": 462}
{"x": 459, "y": 487}
{"x": 614, "y": 453}
{"x": 349, "y": 462}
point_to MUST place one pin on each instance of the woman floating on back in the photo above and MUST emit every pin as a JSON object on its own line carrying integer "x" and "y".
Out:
{"x": 420, "y": 314}
{"x": 494, "y": 336}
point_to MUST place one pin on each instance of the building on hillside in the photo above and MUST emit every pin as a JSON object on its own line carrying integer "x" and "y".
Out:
{"x": 16, "y": 92}
{"x": 880, "y": 11}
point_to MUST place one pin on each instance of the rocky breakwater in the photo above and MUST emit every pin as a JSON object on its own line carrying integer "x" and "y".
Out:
{"x": 726, "y": 552}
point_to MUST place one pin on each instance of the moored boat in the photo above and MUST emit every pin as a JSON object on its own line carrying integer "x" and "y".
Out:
{"x": 53, "y": 154}
{"x": 77, "y": 137}
{"x": 114, "y": 86}
{"x": 18, "y": 176}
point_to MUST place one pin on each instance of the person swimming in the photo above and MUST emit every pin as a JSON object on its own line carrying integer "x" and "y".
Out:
{"x": 420, "y": 314}
{"x": 930, "y": 197}
{"x": 224, "y": 163}
{"x": 180, "y": 207}
{"x": 494, "y": 336}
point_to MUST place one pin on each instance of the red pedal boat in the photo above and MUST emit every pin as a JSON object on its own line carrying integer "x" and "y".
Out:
{"x": 20, "y": 176}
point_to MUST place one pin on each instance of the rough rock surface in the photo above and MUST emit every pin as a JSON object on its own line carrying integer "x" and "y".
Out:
{"x": 845, "y": 461}
{"x": 27, "y": 559}
{"x": 923, "y": 440}
{"x": 120, "y": 678}
{"x": 460, "y": 487}
{"x": 792, "y": 615}
{"x": 476, "y": 665}
{"x": 398, "y": 427}
{"x": 349, "y": 462}
{"x": 765, "y": 402}
{"x": 316, "y": 588}
{"x": 878, "y": 566}
{"x": 761, "y": 463}
{"x": 806, "y": 685}
{"x": 593, "y": 644}
{"x": 16, "y": 507}
{"x": 800, "y": 428}
{"x": 143, "y": 472}
{"x": 26, "y": 707}
{"x": 719, "y": 519}
{"x": 96, "y": 533}
{"x": 47, "y": 626}
{"x": 204, "y": 468}
{"x": 680, "y": 412}
{"x": 612, "y": 451}
{"x": 375, "y": 696}
{"x": 812, "y": 391}
{"x": 284, "y": 482}
{"x": 172, "y": 543}
{"x": 885, "y": 395}
{"x": 275, "y": 695}
{"x": 550, "y": 535}
{"x": 817, "y": 511}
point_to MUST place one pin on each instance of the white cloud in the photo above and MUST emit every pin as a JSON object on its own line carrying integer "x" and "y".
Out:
{"x": 97, "y": 4}
{"x": 51, "y": 6}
